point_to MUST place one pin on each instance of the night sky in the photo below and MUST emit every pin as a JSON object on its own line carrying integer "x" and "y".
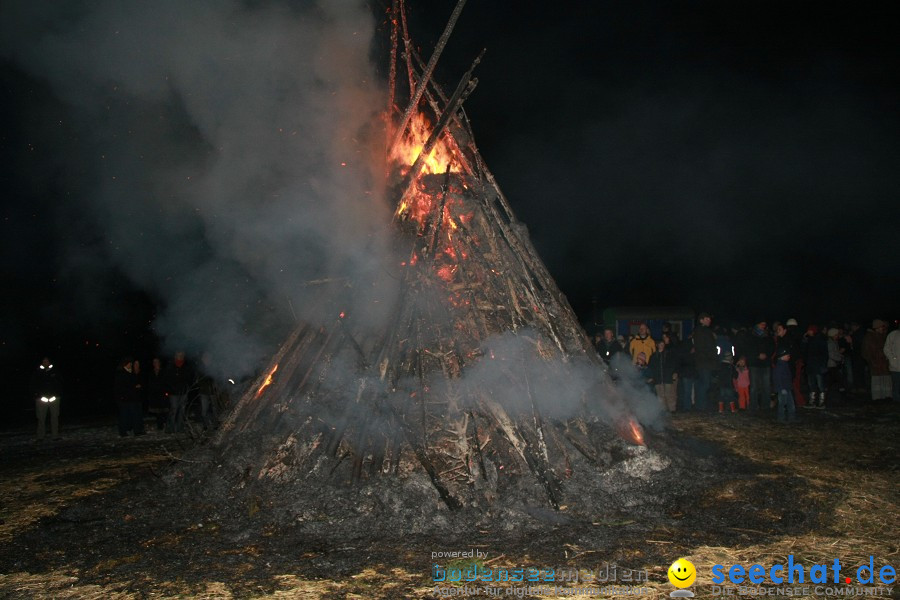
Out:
{"x": 736, "y": 157}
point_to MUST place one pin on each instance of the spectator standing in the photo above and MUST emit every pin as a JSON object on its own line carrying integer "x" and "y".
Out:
{"x": 46, "y": 387}
{"x": 892, "y": 353}
{"x": 835, "y": 374}
{"x": 642, "y": 342}
{"x": 608, "y": 346}
{"x": 624, "y": 343}
{"x": 793, "y": 334}
{"x": 874, "y": 355}
{"x": 845, "y": 344}
{"x": 815, "y": 359}
{"x": 686, "y": 373}
{"x": 796, "y": 342}
{"x": 661, "y": 370}
{"x": 179, "y": 380}
{"x": 595, "y": 341}
{"x": 784, "y": 341}
{"x": 127, "y": 392}
{"x": 783, "y": 383}
{"x": 705, "y": 359}
{"x": 741, "y": 382}
{"x": 759, "y": 360}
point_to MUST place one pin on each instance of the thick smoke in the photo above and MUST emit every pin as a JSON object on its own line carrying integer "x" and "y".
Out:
{"x": 520, "y": 371}
{"x": 226, "y": 152}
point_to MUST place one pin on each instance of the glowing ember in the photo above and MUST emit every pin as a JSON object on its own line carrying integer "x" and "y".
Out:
{"x": 267, "y": 382}
{"x": 446, "y": 272}
{"x": 632, "y": 431}
{"x": 342, "y": 315}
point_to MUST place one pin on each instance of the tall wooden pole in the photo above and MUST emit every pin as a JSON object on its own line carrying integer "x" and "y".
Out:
{"x": 392, "y": 77}
{"x": 408, "y": 47}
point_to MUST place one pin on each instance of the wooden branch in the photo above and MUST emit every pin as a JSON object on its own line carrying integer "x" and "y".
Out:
{"x": 392, "y": 76}
{"x": 408, "y": 47}
{"x": 429, "y": 71}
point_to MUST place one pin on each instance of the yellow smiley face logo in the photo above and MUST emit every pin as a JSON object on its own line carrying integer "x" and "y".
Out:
{"x": 682, "y": 573}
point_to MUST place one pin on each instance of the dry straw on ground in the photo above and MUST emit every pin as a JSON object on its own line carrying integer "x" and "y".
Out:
{"x": 847, "y": 463}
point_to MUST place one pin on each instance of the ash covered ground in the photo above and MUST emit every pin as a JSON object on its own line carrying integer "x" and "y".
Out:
{"x": 96, "y": 515}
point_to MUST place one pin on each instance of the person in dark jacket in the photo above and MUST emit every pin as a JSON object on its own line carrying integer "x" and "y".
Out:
{"x": 46, "y": 387}
{"x": 815, "y": 360}
{"x": 608, "y": 346}
{"x": 784, "y": 341}
{"x": 661, "y": 374}
{"x": 705, "y": 359}
{"x": 784, "y": 382}
{"x": 857, "y": 333}
{"x": 179, "y": 380}
{"x": 759, "y": 359}
{"x": 686, "y": 373}
{"x": 127, "y": 392}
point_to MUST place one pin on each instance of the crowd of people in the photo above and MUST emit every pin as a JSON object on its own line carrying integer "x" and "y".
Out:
{"x": 736, "y": 368}
{"x": 729, "y": 369}
{"x": 166, "y": 392}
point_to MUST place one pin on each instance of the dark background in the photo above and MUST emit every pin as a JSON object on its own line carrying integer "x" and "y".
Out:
{"x": 735, "y": 157}
{"x": 738, "y": 157}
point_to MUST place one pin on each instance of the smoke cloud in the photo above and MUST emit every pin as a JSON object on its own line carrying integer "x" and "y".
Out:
{"x": 514, "y": 371}
{"x": 224, "y": 152}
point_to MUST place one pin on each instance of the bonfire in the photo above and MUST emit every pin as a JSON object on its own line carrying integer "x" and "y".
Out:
{"x": 482, "y": 383}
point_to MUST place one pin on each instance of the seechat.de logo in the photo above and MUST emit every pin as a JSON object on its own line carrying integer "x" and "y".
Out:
{"x": 795, "y": 572}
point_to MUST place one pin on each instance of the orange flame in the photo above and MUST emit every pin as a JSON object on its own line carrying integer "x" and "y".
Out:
{"x": 267, "y": 382}
{"x": 412, "y": 144}
{"x": 632, "y": 431}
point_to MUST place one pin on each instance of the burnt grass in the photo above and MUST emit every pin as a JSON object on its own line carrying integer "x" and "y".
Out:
{"x": 157, "y": 515}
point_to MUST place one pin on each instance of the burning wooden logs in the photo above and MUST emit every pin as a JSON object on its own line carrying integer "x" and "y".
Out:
{"x": 434, "y": 391}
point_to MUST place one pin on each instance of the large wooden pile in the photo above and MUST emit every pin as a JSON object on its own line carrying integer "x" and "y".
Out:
{"x": 353, "y": 406}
